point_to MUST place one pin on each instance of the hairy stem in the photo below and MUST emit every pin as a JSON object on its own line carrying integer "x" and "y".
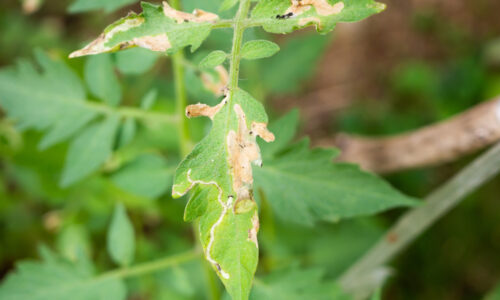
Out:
{"x": 239, "y": 29}
{"x": 416, "y": 221}
{"x": 152, "y": 266}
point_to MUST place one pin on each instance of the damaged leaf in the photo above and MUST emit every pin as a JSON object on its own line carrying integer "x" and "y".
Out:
{"x": 284, "y": 16}
{"x": 216, "y": 85}
{"x": 220, "y": 169}
{"x": 157, "y": 28}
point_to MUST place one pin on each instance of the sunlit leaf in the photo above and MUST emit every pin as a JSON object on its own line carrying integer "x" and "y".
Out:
{"x": 220, "y": 168}
{"x": 156, "y": 28}
{"x": 284, "y": 16}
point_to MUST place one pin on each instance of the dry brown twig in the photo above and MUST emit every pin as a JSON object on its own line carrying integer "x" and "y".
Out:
{"x": 466, "y": 133}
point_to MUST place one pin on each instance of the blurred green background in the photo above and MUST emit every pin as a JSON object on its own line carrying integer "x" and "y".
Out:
{"x": 415, "y": 64}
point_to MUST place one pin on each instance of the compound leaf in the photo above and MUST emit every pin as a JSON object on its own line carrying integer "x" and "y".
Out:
{"x": 56, "y": 279}
{"x": 156, "y": 28}
{"x": 220, "y": 168}
{"x": 53, "y": 100}
{"x": 285, "y": 16}
{"x": 304, "y": 185}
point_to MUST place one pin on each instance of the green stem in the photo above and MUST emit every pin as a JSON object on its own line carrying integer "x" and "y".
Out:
{"x": 152, "y": 266}
{"x": 239, "y": 29}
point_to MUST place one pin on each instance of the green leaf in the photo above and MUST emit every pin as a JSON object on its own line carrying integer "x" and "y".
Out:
{"x": 259, "y": 49}
{"x": 108, "y": 6}
{"x": 296, "y": 284}
{"x": 220, "y": 168}
{"x": 213, "y": 59}
{"x": 89, "y": 150}
{"x": 56, "y": 279}
{"x": 156, "y": 28}
{"x": 147, "y": 176}
{"x": 121, "y": 239}
{"x": 54, "y": 101}
{"x": 285, "y": 16}
{"x": 135, "y": 61}
{"x": 304, "y": 186}
{"x": 101, "y": 79}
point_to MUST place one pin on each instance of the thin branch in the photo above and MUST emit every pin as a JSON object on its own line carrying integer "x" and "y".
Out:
{"x": 466, "y": 133}
{"x": 133, "y": 113}
{"x": 152, "y": 266}
{"x": 416, "y": 221}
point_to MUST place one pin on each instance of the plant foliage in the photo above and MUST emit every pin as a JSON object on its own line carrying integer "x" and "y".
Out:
{"x": 225, "y": 171}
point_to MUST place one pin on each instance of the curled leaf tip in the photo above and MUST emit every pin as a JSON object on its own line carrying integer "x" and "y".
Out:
{"x": 203, "y": 110}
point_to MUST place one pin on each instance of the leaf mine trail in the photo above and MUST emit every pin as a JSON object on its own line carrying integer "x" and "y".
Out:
{"x": 225, "y": 208}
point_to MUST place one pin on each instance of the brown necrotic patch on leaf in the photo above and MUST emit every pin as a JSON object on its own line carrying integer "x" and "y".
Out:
{"x": 158, "y": 42}
{"x": 323, "y": 8}
{"x": 99, "y": 45}
{"x": 252, "y": 232}
{"x": 203, "y": 110}
{"x": 243, "y": 150}
{"x": 198, "y": 15}
{"x": 217, "y": 87}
